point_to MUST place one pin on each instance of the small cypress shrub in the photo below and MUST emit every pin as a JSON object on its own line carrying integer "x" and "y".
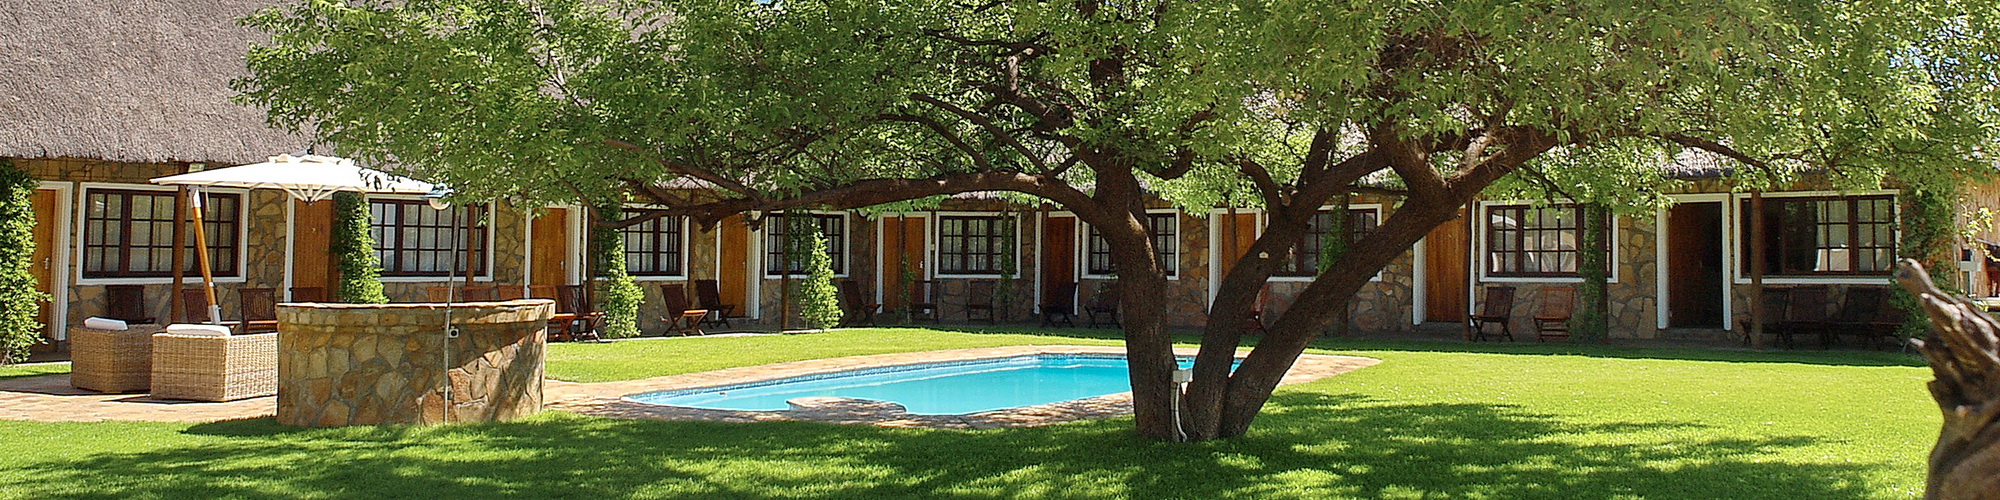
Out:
{"x": 20, "y": 302}
{"x": 819, "y": 299}
{"x": 1591, "y": 321}
{"x": 354, "y": 252}
{"x": 620, "y": 294}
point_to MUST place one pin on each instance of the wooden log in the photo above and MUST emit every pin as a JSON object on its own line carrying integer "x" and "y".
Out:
{"x": 1964, "y": 353}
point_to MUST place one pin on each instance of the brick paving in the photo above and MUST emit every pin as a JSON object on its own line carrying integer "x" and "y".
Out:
{"x": 51, "y": 399}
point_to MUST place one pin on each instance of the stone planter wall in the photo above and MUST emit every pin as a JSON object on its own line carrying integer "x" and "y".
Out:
{"x": 371, "y": 364}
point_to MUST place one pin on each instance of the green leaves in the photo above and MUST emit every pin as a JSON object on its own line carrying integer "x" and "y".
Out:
{"x": 20, "y": 299}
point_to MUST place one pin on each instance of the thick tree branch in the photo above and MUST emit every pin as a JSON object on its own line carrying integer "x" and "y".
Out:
{"x": 688, "y": 170}
{"x": 986, "y": 123}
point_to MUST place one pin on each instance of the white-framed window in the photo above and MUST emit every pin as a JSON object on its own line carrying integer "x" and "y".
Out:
{"x": 128, "y": 233}
{"x": 1164, "y": 229}
{"x": 832, "y": 225}
{"x": 1304, "y": 258}
{"x": 1522, "y": 241}
{"x": 1823, "y": 236}
{"x": 657, "y": 247}
{"x": 414, "y": 240}
{"x": 976, "y": 244}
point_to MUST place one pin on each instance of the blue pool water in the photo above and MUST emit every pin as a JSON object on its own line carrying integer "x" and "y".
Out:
{"x": 946, "y": 388}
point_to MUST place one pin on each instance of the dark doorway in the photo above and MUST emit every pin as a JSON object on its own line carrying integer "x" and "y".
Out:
{"x": 1694, "y": 265}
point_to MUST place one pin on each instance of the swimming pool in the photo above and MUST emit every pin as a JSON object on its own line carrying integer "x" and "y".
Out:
{"x": 943, "y": 388}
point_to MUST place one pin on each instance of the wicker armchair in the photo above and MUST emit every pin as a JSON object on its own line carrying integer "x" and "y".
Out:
{"x": 212, "y": 368}
{"x": 112, "y": 361}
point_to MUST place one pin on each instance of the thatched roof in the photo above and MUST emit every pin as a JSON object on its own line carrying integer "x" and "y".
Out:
{"x": 132, "y": 80}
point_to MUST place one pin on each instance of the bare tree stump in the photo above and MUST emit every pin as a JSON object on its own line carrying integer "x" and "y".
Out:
{"x": 1964, "y": 353}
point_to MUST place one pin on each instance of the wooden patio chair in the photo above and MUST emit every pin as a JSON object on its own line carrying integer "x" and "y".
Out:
{"x": 1103, "y": 304}
{"x": 1056, "y": 306}
{"x": 194, "y": 306}
{"x": 126, "y": 303}
{"x": 681, "y": 317}
{"x": 923, "y": 301}
{"x": 1552, "y": 320}
{"x": 710, "y": 294}
{"x": 309, "y": 294}
{"x": 859, "y": 309}
{"x": 1863, "y": 314}
{"x": 1497, "y": 307}
{"x": 482, "y": 293}
{"x": 1804, "y": 313}
{"x": 1255, "y": 324}
{"x": 979, "y": 297}
{"x": 574, "y": 317}
{"x": 259, "y": 308}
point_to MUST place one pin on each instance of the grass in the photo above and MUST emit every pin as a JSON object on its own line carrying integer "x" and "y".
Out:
{"x": 33, "y": 369}
{"x": 1433, "y": 420}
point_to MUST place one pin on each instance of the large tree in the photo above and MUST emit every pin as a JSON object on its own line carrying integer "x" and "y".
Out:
{"x": 1091, "y": 105}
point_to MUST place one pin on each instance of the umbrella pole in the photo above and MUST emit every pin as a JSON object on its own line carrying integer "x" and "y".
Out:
{"x": 195, "y": 205}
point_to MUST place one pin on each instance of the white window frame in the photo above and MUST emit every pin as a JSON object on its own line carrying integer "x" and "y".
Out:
{"x": 1736, "y": 249}
{"x": 1083, "y": 247}
{"x": 1482, "y": 218}
{"x": 846, "y": 254}
{"x": 493, "y": 223}
{"x": 82, "y": 196}
{"x": 687, "y": 248}
{"x": 931, "y": 257}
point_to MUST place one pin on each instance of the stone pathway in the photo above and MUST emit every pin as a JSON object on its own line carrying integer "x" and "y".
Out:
{"x": 51, "y": 399}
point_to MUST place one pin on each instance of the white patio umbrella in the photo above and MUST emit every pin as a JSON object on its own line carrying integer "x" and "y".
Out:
{"x": 308, "y": 178}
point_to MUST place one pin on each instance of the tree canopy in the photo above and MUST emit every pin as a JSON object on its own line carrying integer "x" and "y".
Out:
{"x": 1281, "y": 104}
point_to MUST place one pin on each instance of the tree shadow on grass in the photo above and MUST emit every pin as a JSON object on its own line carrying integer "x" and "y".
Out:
{"x": 1306, "y": 446}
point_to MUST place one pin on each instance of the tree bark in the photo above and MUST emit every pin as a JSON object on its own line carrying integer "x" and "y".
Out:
{"x": 1964, "y": 352}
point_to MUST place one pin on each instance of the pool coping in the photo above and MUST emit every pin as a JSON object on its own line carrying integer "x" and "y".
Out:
{"x": 607, "y": 399}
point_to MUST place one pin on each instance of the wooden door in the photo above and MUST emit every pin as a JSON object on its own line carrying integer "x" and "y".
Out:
{"x": 42, "y": 262}
{"x": 550, "y": 235}
{"x": 902, "y": 258}
{"x": 1234, "y": 235}
{"x": 1694, "y": 265}
{"x": 732, "y": 280}
{"x": 312, "y": 247}
{"x": 1058, "y": 251}
{"x": 1447, "y": 260}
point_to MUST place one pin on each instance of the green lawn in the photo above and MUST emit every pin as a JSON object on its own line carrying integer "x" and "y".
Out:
{"x": 1433, "y": 420}
{"x": 33, "y": 369}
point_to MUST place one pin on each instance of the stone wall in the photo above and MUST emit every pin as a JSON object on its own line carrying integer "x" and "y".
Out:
{"x": 347, "y": 364}
{"x": 1633, "y": 307}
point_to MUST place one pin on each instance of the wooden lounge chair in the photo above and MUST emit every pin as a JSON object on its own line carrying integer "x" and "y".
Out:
{"x": 1552, "y": 320}
{"x": 479, "y": 293}
{"x": 979, "y": 297}
{"x": 126, "y": 303}
{"x": 259, "y": 308}
{"x": 923, "y": 301}
{"x": 1804, "y": 313}
{"x": 1865, "y": 313}
{"x": 1498, "y": 307}
{"x": 859, "y": 310}
{"x": 309, "y": 294}
{"x": 1103, "y": 304}
{"x": 573, "y": 320}
{"x": 1255, "y": 323}
{"x": 194, "y": 306}
{"x": 711, "y": 299}
{"x": 1056, "y": 308}
{"x": 681, "y": 317}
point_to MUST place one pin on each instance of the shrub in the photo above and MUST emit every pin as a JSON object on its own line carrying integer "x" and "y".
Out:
{"x": 819, "y": 299}
{"x": 354, "y": 252}
{"x": 619, "y": 294}
{"x": 20, "y": 302}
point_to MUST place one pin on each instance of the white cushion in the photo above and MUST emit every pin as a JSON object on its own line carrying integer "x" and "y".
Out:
{"x": 199, "y": 330}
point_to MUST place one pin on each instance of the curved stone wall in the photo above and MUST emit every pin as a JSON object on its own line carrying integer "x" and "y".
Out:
{"x": 370, "y": 364}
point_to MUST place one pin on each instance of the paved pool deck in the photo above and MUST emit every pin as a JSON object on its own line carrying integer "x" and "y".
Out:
{"x": 51, "y": 399}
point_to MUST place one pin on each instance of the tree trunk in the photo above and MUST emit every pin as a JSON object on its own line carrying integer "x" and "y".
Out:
{"x": 1964, "y": 352}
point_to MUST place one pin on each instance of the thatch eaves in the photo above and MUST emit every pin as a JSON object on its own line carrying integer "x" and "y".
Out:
{"x": 133, "y": 81}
